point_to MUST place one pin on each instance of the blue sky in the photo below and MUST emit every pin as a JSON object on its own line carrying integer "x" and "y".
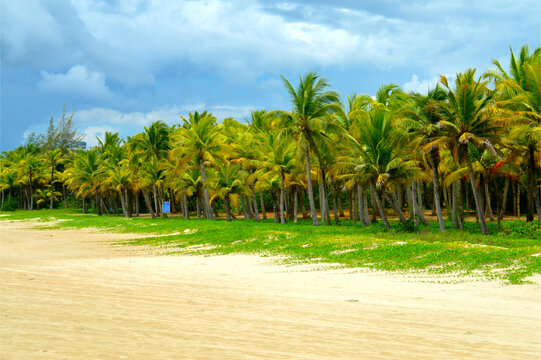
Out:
{"x": 122, "y": 64}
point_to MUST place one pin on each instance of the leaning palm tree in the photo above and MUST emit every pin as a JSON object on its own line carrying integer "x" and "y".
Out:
{"x": 468, "y": 121}
{"x": 312, "y": 105}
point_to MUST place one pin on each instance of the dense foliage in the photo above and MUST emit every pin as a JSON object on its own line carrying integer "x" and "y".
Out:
{"x": 459, "y": 148}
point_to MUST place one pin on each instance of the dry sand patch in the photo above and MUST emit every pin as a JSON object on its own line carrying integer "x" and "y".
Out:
{"x": 69, "y": 294}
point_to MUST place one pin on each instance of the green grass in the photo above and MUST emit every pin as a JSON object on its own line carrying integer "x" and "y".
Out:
{"x": 509, "y": 254}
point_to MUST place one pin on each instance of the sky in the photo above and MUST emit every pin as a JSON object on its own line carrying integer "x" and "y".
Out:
{"x": 120, "y": 65}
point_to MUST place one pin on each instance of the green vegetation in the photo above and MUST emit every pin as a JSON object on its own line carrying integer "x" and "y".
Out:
{"x": 512, "y": 257}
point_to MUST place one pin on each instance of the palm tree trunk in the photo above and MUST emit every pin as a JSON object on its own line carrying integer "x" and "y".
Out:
{"x": 52, "y": 189}
{"x": 156, "y": 206}
{"x": 137, "y": 205}
{"x": 435, "y": 179}
{"x": 325, "y": 201}
{"x": 123, "y": 203}
{"x": 295, "y": 205}
{"x": 353, "y": 205}
{"x": 186, "y": 210}
{"x": 393, "y": 199}
{"x": 31, "y": 194}
{"x": 148, "y": 203}
{"x": 64, "y": 196}
{"x": 411, "y": 199}
{"x": 514, "y": 197}
{"x": 84, "y": 206}
{"x": 460, "y": 205}
{"x": 206, "y": 198}
{"x": 127, "y": 199}
{"x": 454, "y": 190}
{"x": 518, "y": 199}
{"x": 227, "y": 207}
{"x": 254, "y": 197}
{"x": 262, "y": 202}
{"x": 478, "y": 204}
{"x": 378, "y": 202}
{"x": 411, "y": 211}
{"x": 244, "y": 210}
{"x": 334, "y": 203}
{"x": 360, "y": 204}
{"x": 531, "y": 184}
{"x": 365, "y": 210}
{"x": 339, "y": 201}
{"x": 251, "y": 211}
{"x": 417, "y": 204}
{"x": 197, "y": 207}
{"x": 302, "y": 198}
{"x": 315, "y": 222}
{"x": 374, "y": 206}
{"x": 98, "y": 204}
{"x": 275, "y": 208}
{"x": 350, "y": 196}
{"x": 487, "y": 200}
{"x": 282, "y": 200}
{"x": 504, "y": 199}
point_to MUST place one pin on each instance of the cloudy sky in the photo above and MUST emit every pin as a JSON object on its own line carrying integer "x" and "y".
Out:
{"x": 123, "y": 64}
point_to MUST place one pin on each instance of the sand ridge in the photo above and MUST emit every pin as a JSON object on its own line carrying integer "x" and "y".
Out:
{"x": 70, "y": 294}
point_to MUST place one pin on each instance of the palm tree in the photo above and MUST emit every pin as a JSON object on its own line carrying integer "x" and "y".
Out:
{"x": 52, "y": 158}
{"x": 229, "y": 182}
{"x": 377, "y": 153}
{"x": 312, "y": 105}
{"x": 519, "y": 92}
{"x": 280, "y": 161}
{"x": 468, "y": 121}
{"x": 421, "y": 122}
{"x": 199, "y": 138}
{"x": 86, "y": 176}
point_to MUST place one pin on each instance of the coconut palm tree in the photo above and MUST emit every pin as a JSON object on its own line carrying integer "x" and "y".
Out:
{"x": 199, "y": 140}
{"x": 52, "y": 158}
{"x": 519, "y": 93}
{"x": 312, "y": 105}
{"x": 468, "y": 121}
{"x": 278, "y": 163}
{"x": 421, "y": 123}
{"x": 228, "y": 183}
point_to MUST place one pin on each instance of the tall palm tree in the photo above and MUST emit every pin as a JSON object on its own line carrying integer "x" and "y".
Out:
{"x": 52, "y": 158}
{"x": 421, "y": 122}
{"x": 280, "y": 161}
{"x": 519, "y": 92}
{"x": 468, "y": 121}
{"x": 199, "y": 139}
{"x": 312, "y": 105}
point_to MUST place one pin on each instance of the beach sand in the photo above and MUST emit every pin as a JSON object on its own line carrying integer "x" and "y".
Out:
{"x": 72, "y": 294}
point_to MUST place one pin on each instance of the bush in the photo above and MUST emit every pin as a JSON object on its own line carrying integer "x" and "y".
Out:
{"x": 10, "y": 204}
{"x": 530, "y": 229}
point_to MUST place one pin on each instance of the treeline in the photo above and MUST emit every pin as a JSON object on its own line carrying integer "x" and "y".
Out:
{"x": 471, "y": 146}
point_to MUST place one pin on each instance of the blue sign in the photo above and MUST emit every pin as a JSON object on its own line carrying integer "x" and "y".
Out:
{"x": 165, "y": 207}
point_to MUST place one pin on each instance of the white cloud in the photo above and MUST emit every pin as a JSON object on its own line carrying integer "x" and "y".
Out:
{"x": 91, "y": 133}
{"x": 94, "y": 122}
{"x": 78, "y": 81}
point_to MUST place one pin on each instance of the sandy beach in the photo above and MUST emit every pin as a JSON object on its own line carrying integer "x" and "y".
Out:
{"x": 71, "y": 294}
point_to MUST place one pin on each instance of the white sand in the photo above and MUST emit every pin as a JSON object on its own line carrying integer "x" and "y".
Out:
{"x": 68, "y": 294}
